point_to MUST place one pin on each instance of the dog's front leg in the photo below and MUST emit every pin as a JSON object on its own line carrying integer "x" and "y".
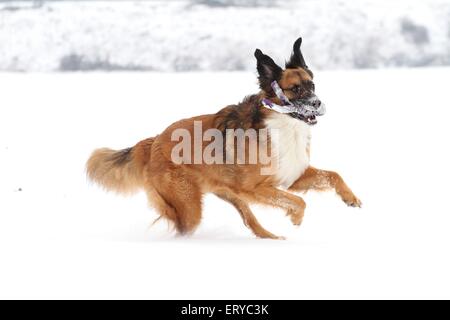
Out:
{"x": 316, "y": 179}
{"x": 294, "y": 205}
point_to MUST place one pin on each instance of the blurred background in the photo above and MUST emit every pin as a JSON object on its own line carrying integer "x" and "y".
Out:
{"x": 220, "y": 35}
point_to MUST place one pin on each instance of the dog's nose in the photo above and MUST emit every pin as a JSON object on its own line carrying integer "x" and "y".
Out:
{"x": 316, "y": 104}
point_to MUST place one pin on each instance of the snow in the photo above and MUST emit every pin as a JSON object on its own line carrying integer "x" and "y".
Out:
{"x": 385, "y": 132}
{"x": 190, "y": 35}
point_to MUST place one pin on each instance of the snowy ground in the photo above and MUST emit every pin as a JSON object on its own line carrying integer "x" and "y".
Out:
{"x": 189, "y": 35}
{"x": 61, "y": 237}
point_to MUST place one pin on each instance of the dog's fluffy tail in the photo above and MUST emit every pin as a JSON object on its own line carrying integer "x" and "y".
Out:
{"x": 120, "y": 171}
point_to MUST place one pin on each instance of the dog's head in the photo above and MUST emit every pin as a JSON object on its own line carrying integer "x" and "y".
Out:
{"x": 296, "y": 82}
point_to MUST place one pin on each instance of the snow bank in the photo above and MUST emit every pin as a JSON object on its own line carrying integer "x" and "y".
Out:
{"x": 217, "y": 35}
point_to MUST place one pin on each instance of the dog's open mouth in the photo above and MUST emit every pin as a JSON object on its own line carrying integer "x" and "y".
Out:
{"x": 311, "y": 120}
{"x": 308, "y": 110}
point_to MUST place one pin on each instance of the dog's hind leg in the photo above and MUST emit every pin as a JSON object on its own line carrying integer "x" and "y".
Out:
{"x": 157, "y": 202}
{"x": 247, "y": 215}
{"x": 180, "y": 204}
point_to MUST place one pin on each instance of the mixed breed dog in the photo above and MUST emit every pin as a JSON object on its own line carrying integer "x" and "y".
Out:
{"x": 256, "y": 151}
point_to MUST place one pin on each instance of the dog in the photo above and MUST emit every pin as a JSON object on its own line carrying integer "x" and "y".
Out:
{"x": 286, "y": 104}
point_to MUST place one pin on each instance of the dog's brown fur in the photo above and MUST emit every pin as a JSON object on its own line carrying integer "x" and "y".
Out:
{"x": 175, "y": 191}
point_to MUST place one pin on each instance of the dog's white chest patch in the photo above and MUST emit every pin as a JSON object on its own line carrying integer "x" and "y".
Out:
{"x": 291, "y": 148}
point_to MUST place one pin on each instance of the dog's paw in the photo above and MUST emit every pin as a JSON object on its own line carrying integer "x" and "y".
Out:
{"x": 296, "y": 217}
{"x": 352, "y": 201}
{"x": 270, "y": 236}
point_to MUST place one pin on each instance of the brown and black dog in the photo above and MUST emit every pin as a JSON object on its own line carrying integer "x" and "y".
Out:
{"x": 175, "y": 189}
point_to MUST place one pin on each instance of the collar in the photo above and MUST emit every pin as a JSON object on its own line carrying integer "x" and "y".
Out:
{"x": 276, "y": 107}
{"x": 287, "y": 107}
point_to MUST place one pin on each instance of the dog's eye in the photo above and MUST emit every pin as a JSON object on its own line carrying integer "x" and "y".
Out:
{"x": 295, "y": 89}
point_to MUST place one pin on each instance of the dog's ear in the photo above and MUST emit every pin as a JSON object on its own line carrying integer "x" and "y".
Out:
{"x": 268, "y": 71}
{"x": 297, "y": 60}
